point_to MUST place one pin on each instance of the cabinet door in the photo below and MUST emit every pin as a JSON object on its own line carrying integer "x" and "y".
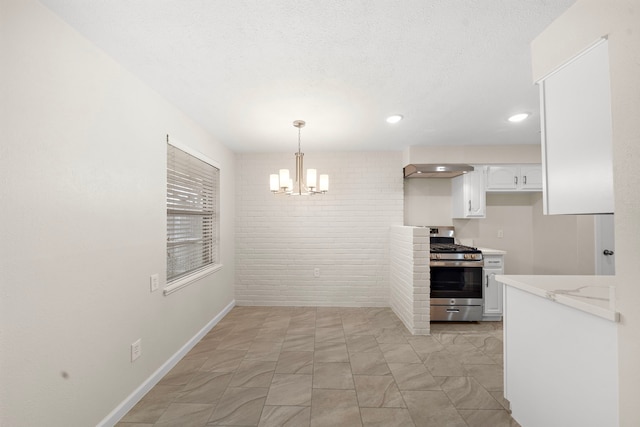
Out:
{"x": 468, "y": 198}
{"x": 577, "y": 136}
{"x": 502, "y": 177}
{"x": 493, "y": 265}
{"x": 531, "y": 177}
{"x": 476, "y": 193}
{"x": 492, "y": 293}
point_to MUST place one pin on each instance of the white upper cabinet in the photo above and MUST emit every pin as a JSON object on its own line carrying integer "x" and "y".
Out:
{"x": 503, "y": 177}
{"x": 576, "y": 135}
{"x": 531, "y": 177}
{"x": 468, "y": 196}
{"x": 514, "y": 177}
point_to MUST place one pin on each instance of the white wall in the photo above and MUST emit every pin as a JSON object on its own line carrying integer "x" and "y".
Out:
{"x": 472, "y": 154}
{"x": 511, "y": 213}
{"x": 563, "y": 244}
{"x": 535, "y": 243}
{"x": 580, "y": 26}
{"x": 344, "y": 233}
{"x": 82, "y": 172}
{"x": 427, "y": 201}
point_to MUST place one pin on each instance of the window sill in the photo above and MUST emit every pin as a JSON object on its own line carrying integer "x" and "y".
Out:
{"x": 187, "y": 280}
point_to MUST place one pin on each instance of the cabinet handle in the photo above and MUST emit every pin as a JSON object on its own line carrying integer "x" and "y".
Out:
{"x": 469, "y": 205}
{"x": 515, "y": 180}
{"x": 524, "y": 179}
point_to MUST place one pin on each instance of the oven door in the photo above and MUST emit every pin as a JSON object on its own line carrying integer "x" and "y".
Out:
{"x": 456, "y": 282}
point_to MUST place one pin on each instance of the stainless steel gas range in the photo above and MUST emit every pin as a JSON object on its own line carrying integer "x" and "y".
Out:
{"x": 456, "y": 278}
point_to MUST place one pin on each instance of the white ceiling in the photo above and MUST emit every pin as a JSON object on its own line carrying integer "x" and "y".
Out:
{"x": 246, "y": 69}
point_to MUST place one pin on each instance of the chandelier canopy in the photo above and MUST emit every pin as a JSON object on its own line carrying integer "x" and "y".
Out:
{"x": 281, "y": 183}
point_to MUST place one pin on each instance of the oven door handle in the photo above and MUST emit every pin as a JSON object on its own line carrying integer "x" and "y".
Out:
{"x": 450, "y": 263}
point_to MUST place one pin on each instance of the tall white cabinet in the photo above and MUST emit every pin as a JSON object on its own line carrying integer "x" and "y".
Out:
{"x": 576, "y": 129}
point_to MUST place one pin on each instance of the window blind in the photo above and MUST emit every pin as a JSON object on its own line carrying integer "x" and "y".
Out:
{"x": 192, "y": 205}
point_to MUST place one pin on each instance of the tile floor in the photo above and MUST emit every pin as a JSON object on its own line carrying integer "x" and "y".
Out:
{"x": 307, "y": 366}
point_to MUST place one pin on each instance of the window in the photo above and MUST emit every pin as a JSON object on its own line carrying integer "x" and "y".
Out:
{"x": 193, "y": 184}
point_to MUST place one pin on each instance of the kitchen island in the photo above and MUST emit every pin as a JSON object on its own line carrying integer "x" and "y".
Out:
{"x": 560, "y": 350}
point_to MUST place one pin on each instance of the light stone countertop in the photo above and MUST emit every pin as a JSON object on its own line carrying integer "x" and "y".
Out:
{"x": 487, "y": 251}
{"x": 590, "y": 294}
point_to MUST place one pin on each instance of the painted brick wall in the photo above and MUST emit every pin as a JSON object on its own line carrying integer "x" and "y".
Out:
{"x": 409, "y": 277}
{"x": 280, "y": 240}
{"x": 421, "y": 282}
{"x": 401, "y": 274}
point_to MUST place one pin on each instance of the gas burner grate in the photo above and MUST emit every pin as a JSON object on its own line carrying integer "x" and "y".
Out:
{"x": 452, "y": 247}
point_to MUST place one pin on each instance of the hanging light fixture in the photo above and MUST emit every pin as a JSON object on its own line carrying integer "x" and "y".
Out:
{"x": 281, "y": 183}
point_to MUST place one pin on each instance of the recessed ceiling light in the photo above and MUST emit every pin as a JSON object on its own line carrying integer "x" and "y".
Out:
{"x": 394, "y": 119}
{"x": 518, "y": 117}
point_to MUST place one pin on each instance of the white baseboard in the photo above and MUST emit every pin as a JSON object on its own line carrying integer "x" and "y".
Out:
{"x": 126, "y": 405}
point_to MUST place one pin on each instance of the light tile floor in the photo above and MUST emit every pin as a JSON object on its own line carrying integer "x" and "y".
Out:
{"x": 308, "y": 366}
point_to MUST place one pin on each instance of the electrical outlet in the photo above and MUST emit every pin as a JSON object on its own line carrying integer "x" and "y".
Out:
{"x": 136, "y": 349}
{"x": 154, "y": 282}
{"x": 316, "y": 272}
{"x": 500, "y": 234}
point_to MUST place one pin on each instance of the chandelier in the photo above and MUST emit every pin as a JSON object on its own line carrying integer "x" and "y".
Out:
{"x": 281, "y": 183}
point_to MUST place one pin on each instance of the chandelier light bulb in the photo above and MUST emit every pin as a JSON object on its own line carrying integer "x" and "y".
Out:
{"x": 274, "y": 182}
{"x": 311, "y": 178}
{"x": 284, "y": 178}
{"x": 324, "y": 183}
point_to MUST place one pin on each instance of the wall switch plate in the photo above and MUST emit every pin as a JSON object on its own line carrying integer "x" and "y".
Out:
{"x": 500, "y": 234}
{"x": 136, "y": 349}
{"x": 154, "y": 282}
{"x": 316, "y": 272}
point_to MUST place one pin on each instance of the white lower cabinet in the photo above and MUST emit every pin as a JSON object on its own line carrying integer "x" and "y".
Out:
{"x": 493, "y": 265}
{"x": 553, "y": 357}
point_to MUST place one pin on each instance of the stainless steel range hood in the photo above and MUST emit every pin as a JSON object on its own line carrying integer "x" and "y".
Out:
{"x": 436, "y": 170}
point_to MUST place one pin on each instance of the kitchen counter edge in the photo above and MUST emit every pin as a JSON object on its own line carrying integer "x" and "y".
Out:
{"x": 590, "y": 294}
{"x": 488, "y": 251}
